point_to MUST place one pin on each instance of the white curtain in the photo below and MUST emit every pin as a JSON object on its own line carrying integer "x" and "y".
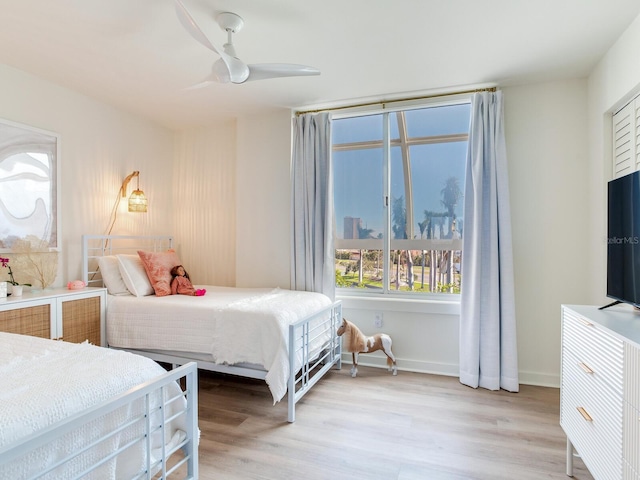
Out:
{"x": 312, "y": 257}
{"x": 488, "y": 350}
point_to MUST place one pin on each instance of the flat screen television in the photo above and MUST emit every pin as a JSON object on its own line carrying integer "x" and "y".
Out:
{"x": 623, "y": 240}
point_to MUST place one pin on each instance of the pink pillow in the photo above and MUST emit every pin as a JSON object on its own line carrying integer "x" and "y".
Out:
{"x": 158, "y": 266}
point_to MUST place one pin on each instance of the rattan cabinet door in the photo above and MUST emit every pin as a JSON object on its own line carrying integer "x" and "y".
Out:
{"x": 81, "y": 320}
{"x": 34, "y": 321}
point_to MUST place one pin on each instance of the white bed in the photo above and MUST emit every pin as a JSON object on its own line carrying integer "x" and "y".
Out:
{"x": 81, "y": 411}
{"x": 263, "y": 333}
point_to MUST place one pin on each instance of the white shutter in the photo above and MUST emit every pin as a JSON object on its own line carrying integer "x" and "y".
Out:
{"x": 624, "y": 141}
{"x": 636, "y": 132}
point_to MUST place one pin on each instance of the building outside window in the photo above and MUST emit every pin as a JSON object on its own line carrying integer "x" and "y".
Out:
{"x": 398, "y": 198}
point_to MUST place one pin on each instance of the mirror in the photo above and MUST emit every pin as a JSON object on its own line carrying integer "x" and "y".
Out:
{"x": 28, "y": 184}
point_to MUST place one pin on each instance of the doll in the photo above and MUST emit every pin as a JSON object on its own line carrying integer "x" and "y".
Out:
{"x": 181, "y": 283}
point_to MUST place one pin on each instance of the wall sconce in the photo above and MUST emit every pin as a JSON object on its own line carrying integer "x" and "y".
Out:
{"x": 137, "y": 200}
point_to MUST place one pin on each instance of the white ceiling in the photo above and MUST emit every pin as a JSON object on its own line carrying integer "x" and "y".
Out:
{"x": 136, "y": 55}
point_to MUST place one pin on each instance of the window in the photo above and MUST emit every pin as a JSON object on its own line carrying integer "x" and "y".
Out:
{"x": 398, "y": 185}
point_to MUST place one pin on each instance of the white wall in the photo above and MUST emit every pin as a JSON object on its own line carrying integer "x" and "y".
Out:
{"x": 547, "y": 151}
{"x": 264, "y": 200}
{"x": 204, "y": 202}
{"x": 100, "y": 145}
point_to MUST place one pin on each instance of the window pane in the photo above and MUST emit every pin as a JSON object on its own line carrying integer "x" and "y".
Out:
{"x": 359, "y": 269}
{"x": 447, "y": 120}
{"x": 429, "y": 271}
{"x": 437, "y": 176}
{"x": 358, "y": 193}
{"x": 399, "y": 196}
{"x": 356, "y": 129}
{"x": 394, "y": 130}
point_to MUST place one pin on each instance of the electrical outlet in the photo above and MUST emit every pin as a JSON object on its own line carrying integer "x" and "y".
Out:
{"x": 378, "y": 320}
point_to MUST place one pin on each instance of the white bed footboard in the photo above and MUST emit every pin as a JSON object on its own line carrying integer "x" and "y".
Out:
{"x": 314, "y": 344}
{"x": 178, "y": 459}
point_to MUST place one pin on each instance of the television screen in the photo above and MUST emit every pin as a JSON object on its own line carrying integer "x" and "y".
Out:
{"x": 623, "y": 239}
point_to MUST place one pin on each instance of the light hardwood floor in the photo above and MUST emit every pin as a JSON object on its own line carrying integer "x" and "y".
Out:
{"x": 377, "y": 426}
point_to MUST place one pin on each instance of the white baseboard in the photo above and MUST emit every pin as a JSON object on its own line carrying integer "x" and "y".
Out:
{"x": 539, "y": 379}
{"x": 450, "y": 370}
{"x": 403, "y": 365}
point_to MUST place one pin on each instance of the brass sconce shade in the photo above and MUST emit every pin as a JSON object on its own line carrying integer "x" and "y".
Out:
{"x": 137, "y": 200}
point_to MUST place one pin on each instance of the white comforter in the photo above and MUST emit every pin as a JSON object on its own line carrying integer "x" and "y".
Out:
{"x": 44, "y": 381}
{"x": 232, "y": 325}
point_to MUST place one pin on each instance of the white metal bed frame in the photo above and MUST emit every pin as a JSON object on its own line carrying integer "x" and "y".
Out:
{"x": 315, "y": 363}
{"x": 158, "y": 469}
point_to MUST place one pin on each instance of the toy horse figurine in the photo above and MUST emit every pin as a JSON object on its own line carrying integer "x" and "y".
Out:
{"x": 355, "y": 342}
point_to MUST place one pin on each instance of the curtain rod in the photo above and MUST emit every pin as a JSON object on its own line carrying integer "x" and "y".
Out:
{"x": 409, "y": 99}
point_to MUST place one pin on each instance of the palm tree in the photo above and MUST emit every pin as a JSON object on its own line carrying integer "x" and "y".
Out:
{"x": 422, "y": 226}
{"x": 399, "y": 218}
{"x": 451, "y": 193}
{"x": 364, "y": 232}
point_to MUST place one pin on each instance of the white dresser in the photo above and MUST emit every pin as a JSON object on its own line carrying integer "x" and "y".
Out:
{"x": 600, "y": 389}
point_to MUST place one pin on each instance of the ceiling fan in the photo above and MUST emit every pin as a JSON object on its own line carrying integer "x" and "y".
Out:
{"x": 229, "y": 68}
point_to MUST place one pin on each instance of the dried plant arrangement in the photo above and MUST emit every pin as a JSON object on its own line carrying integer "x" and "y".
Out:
{"x": 36, "y": 259}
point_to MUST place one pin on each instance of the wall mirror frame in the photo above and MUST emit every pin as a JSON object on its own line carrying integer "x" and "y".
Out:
{"x": 29, "y": 185}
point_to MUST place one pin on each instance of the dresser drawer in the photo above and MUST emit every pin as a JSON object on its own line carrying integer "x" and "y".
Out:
{"x": 598, "y": 437}
{"x": 588, "y": 391}
{"x": 595, "y": 348}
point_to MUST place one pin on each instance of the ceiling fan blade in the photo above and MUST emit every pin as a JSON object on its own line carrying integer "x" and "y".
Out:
{"x": 198, "y": 86}
{"x": 204, "y": 83}
{"x": 192, "y": 27}
{"x": 237, "y": 70}
{"x": 263, "y": 71}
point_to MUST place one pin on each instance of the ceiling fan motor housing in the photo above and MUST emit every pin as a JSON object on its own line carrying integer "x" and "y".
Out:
{"x": 230, "y": 22}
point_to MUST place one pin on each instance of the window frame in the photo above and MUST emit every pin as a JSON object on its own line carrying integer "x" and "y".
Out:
{"x": 434, "y": 302}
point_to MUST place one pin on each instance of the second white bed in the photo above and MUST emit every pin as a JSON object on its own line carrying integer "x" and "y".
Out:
{"x": 53, "y": 384}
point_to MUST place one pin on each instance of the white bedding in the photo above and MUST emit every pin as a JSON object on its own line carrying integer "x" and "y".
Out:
{"x": 44, "y": 381}
{"x": 233, "y": 325}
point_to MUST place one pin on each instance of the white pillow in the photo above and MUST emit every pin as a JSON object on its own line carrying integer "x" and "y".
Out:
{"x": 134, "y": 275}
{"x": 110, "y": 271}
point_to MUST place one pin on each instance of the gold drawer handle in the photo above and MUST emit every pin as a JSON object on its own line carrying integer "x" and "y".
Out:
{"x": 585, "y": 322}
{"x": 585, "y": 367}
{"x": 584, "y": 414}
